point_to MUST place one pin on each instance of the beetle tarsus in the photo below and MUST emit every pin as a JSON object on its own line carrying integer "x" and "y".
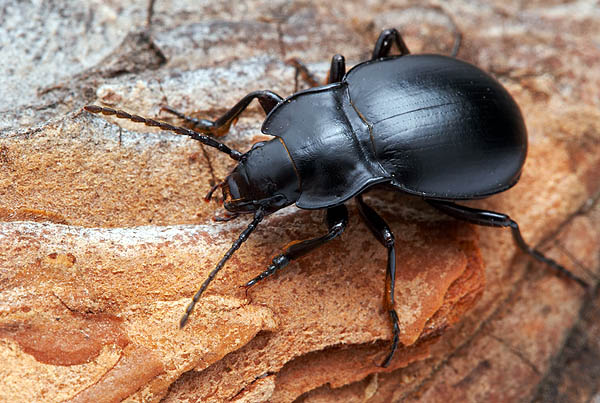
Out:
{"x": 395, "y": 338}
{"x": 559, "y": 269}
{"x": 183, "y": 320}
{"x": 189, "y": 119}
{"x": 226, "y": 217}
{"x": 337, "y": 219}
{"x": 493, "y": 219}
{"x": 278, "y": 262}
{"x": 384, "y": 235}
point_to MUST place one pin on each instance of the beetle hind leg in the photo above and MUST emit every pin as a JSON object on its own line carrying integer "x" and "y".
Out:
{"x": 493, "y": 219}
{"x": 337, "y": 219}
{"x": 384, "y": 235}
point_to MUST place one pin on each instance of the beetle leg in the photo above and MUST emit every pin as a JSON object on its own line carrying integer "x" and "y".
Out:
{"x": 492, "y": 219}
{"x": 337, "y": 69}
{"x": 219, "y": 127}
{"x": 385, "y": 41}
{"x": 337, "y": 218}
{"x": 192, "y": 121}
{"x": 302, "y": 71}
{"x": 384, "y": 235}
{"x": 226, "y": 216}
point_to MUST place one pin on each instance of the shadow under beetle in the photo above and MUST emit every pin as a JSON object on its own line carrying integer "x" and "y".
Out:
{"x": 428, "y": 125}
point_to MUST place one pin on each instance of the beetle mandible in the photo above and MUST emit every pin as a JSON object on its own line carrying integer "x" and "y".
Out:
{"x": 428, "y": 125}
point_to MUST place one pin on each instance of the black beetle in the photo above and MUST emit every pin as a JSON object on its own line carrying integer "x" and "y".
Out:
{"x": 428, "y": 125}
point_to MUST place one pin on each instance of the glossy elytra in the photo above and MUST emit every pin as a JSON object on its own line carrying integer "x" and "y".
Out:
{"x": 428, "y": 125}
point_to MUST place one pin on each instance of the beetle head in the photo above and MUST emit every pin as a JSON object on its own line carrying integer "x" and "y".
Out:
{"x": 265, "y": 177}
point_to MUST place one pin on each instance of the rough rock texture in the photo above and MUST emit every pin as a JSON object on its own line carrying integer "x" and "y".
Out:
{"x": 104, "y": 235}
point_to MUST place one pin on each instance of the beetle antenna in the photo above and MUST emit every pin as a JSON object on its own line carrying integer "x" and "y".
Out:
{"x": 258, "y": 216}
{"x": 209, "y": 141}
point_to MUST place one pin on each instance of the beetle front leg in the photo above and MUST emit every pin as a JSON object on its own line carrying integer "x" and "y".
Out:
{"x": 337, "y": 219}
{"x": 219, "y": 127}
{"x": 384, "y": 235}
{"x": 493, "y": 219}
{"x": 385, "y": 41}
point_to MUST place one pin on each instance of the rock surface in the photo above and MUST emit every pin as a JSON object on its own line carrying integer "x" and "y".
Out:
{"x": 104, "y": 234}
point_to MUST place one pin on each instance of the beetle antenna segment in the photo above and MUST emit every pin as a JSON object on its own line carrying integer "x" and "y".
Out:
{"x": 258, "y": 217}
{"x": 209, "y": 141}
